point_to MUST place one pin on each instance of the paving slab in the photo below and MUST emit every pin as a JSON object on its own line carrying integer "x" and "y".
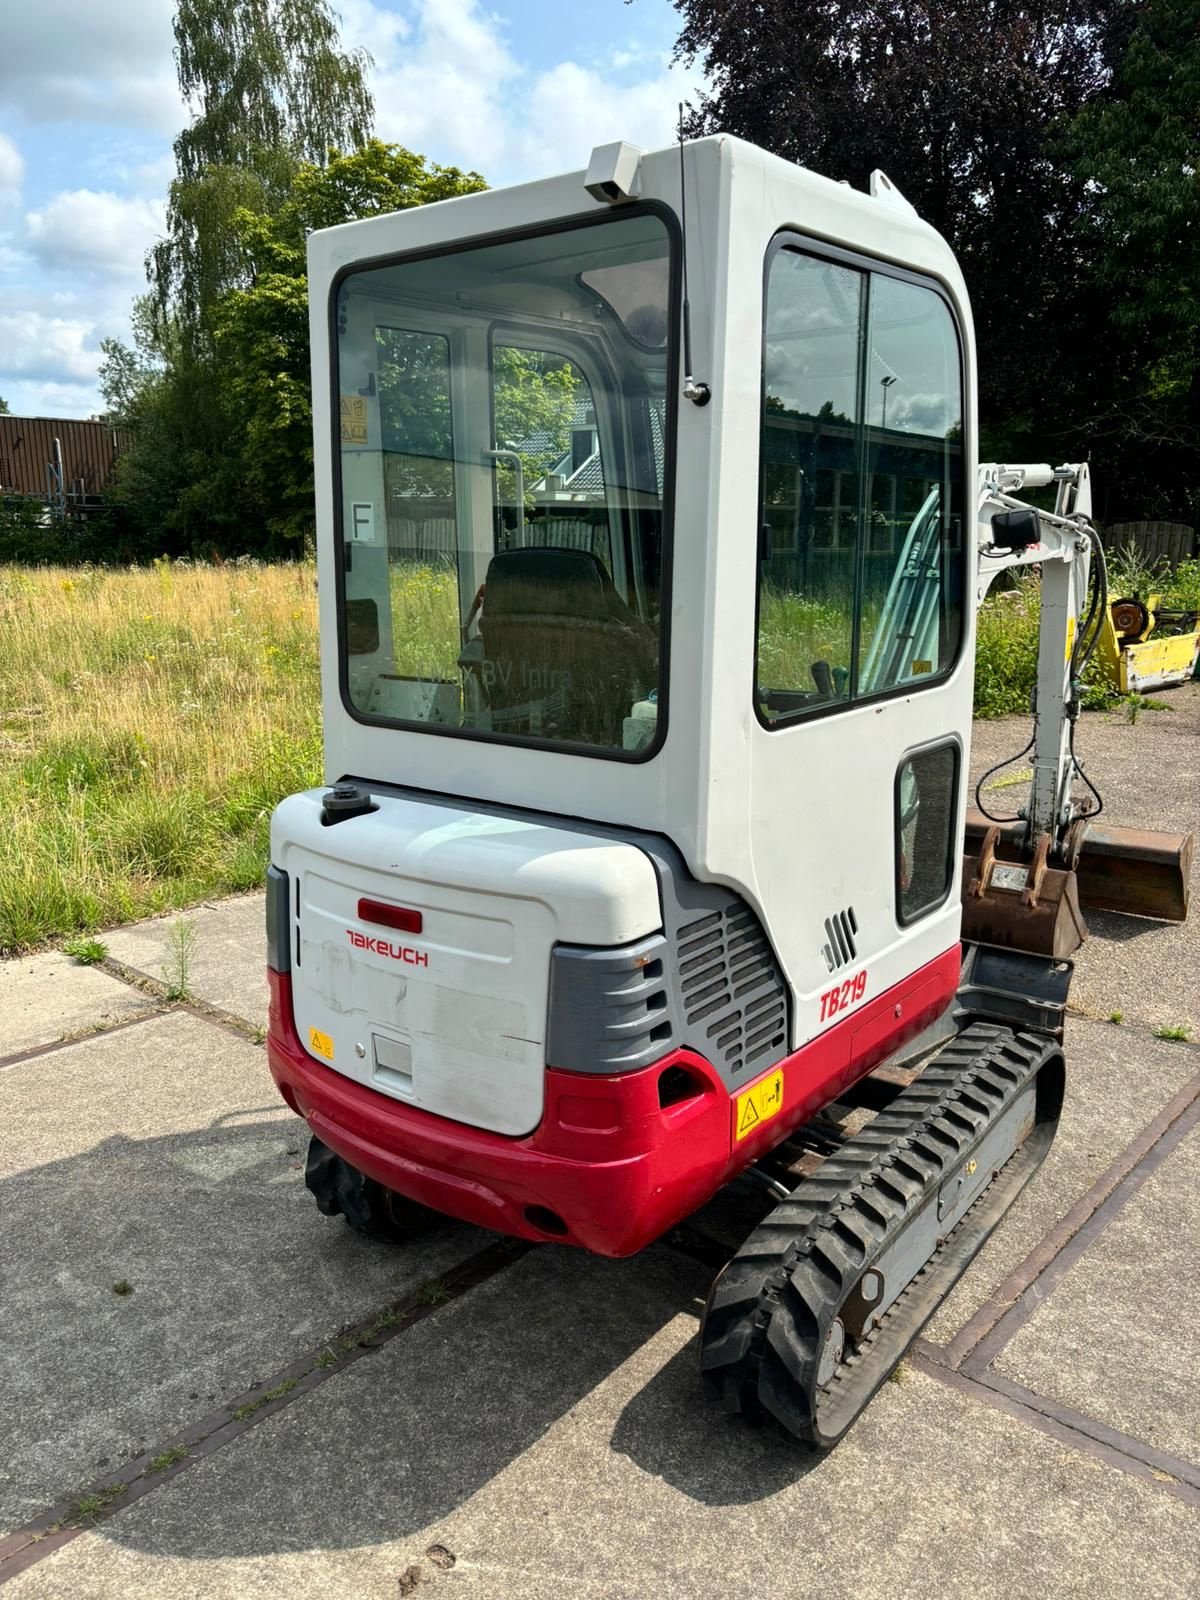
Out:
{"x": 49, "y": 996}
{"x": 1118, "y": 1080}
{"x": 1149, "y": 775}
{"x": 159, "y": 1157}
{"x": 228, "y": 967}
{"x": 1119, "y": 1339}
{"x": 548, "y": 1431}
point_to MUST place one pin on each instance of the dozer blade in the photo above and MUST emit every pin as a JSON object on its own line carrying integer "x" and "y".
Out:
{"x": 1132, "y": 870}
{"x": 1143, "y": 874}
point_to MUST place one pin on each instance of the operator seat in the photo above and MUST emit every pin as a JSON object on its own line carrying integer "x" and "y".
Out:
{"x": 563, "y": 655}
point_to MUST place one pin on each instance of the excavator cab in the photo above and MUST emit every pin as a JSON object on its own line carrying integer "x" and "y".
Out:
{"x": 648, "y": 548}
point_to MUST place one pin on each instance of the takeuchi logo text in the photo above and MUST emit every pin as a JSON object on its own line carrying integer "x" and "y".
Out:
{"x": 385, "y": 947}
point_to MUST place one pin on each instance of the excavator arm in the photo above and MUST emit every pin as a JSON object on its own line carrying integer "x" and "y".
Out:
{"x": 1027, "y": 877}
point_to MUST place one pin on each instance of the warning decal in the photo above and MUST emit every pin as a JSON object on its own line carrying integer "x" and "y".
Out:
{"x": 758, "y": 1104}
{"x": 354, "y": 419}
{"x": 320, "y": 1043}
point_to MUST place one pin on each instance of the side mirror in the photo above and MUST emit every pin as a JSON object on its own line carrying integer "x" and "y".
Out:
{"x": 1016, "y": 530}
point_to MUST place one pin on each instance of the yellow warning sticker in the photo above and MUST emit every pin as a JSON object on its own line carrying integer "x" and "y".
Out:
{"x": 1070, "y": 638}
{"x": 760, "y": 1103}
{"x": 353, "y": 410}
{"x": 320, "y": 1043}
{"x": 921, "y": 666}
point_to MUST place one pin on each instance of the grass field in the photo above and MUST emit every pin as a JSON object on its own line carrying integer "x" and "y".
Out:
{"x": 151, "y": 718}
{"x": 149, "y": 721}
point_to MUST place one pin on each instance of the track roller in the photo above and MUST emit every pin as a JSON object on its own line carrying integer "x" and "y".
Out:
{"x": 817, "y": 1307}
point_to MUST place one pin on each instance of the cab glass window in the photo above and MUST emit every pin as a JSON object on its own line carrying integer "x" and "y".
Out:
{"x": 860, "y": 559}
{"x": 926, "y": 810}
{"x": 504, "y": 444}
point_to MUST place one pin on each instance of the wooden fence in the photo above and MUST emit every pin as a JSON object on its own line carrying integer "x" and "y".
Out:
{"x": 1171, "y": 542}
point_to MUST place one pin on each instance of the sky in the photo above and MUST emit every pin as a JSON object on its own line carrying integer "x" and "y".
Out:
{"x": 89, "y": 108}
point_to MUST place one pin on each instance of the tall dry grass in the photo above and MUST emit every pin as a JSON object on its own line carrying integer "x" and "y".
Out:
{"x": 149, "y": 721}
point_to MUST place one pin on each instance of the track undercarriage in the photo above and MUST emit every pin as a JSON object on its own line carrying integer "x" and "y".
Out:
{"x": 826, "y": 1294}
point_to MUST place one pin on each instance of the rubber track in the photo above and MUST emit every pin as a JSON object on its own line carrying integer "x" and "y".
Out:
{"x": 770, "y": 1309}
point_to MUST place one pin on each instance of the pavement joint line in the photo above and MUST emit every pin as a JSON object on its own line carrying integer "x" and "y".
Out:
{"x": 102, "y": 1031}
{"x": 1168, "y": 1474}
{"x": 138, "y": 979}
{"x": 977, "y": 1344}
{"x": 63, "y": 1522}
{"x": 1159, "y": 1461}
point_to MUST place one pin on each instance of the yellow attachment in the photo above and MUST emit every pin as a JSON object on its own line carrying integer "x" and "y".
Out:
{"x": 1146, "y": 663}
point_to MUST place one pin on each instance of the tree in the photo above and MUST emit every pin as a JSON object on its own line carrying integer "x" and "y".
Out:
{"x": 125, "y": 370}
{"x": 271, "y": 89}
{"x": 1137, "y": 151}
{"x": 957, "y": 101}
{"x": 261, "y": 331}
{"x": 4, "y": 412}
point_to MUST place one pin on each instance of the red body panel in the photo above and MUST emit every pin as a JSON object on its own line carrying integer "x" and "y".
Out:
{"x": 617, "y": 1167}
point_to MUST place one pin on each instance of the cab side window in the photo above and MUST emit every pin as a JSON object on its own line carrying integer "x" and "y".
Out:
{"x": 860, "y": 559}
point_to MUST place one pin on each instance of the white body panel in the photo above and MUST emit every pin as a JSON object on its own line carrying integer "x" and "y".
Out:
{"x": 452, "y": 1020}
{"x": 798, "y": 818}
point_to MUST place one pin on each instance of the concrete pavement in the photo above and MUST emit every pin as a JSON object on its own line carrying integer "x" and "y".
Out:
{"x": 210, "y": 1390}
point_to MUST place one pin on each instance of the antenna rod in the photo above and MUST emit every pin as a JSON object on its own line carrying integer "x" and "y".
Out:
{"x": 698, "y": 393}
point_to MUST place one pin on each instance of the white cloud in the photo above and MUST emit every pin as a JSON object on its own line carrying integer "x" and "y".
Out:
{"x": 94, "y": 231}
{"x": 449, "y": 81}
{"x": 12, "y": 170}
{"x": 571, "y": 109}
{"x": 451, "y": 87}
{"x": 94, "y": 61}
{"x": 34, "y": 398}
{"x": 49, "y": 349}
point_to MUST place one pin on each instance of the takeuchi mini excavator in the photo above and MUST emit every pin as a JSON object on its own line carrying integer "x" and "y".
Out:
{"x": 650, "y": 541}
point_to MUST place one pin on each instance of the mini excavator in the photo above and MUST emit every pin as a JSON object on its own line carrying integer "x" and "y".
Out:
{"x": 650, "y": 541}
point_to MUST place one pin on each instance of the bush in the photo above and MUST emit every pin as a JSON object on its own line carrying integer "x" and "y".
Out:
{"x": 1006, "y": 650}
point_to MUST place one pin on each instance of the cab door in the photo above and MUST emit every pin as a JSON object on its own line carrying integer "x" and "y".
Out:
{"x": 861, "y": 690}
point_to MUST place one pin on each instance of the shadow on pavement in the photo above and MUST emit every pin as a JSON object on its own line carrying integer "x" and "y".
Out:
{"x": 408, "y": 1435}
{"x": 673, "y": 1431}
{"x": 234, "y": 1273}
{"x": 1118, "y": 928}
{"x": 143, "y": 1282}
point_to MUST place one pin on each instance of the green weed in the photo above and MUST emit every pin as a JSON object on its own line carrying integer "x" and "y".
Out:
{"x": 1135, "y": 704}
{"x": 1177, "y": 1034}
{"x": 86, "y": 951}
{"x": 90, "y": 1505}
{"x": 181, "y": 950}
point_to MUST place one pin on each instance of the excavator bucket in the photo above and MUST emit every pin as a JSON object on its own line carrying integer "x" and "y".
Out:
{"x": 1031, "y": 907}
{"x": 1131, "y": 870}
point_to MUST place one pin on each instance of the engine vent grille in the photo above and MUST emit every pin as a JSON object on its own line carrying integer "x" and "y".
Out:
{"x": 730, "y": 987}
{"x": 840, "y": 948}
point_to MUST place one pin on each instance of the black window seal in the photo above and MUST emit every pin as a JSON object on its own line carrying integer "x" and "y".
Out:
{"x": 482, "y": 241}
{"x": 951, "y": 741}
{"x": 790, "y": 238}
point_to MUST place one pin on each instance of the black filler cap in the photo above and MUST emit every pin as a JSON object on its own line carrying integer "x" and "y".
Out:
{"x": 343, "y": 801}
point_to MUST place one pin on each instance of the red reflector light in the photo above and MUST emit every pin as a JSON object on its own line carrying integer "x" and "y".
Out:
{"x": 385, "y": 916}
